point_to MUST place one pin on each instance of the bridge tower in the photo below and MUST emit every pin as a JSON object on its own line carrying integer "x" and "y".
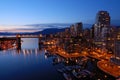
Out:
{"x": 40, "y": 41}
{"x": 18, "y": 42}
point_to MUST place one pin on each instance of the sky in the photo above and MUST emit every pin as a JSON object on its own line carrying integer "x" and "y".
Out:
{"x": 14, "y": 13}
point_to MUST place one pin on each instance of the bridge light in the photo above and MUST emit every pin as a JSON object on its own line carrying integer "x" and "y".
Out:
{"x": 40, "y": 35}
{"x": 18, "y": 35}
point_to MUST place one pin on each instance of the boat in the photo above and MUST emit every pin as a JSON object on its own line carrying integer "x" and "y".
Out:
{"x": 69, "y": 68}
{"x": 67, "y": 76}
{"x": 61, "y": 70}
{"x": 77, "y": 75}
{"x": 81, "y": 74}
{"x": 56, "y": 60}
{"x": 88, "y": 72}
{"x": 48, "y": 54}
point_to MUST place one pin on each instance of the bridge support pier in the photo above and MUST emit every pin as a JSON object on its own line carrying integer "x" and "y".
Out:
{"x": 40, "y": 42}
{"x": 18, "y": 42}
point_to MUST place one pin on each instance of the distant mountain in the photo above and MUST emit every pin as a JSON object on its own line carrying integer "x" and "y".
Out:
{"x": 49, "y": 31}
{"x": 52, "y": 30}
{"x": 57, "y": 25}
{"x": 7, "y": 33}
{"x": 52, "y": 25}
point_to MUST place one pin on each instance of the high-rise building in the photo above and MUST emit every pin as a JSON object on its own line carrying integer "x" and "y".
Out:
{"x": 92, "y": 31}
{"x": 67, "y": 32}
{"x": 78, "y": 28}
{"x": 116, "y": 57}
{"x": 102, "y": 29}
{"x": 72, "y": 30}
{"x": 103, "y": 18}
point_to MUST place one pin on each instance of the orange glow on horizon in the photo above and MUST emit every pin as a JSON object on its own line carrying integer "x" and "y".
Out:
{"x": 15, "y": 28}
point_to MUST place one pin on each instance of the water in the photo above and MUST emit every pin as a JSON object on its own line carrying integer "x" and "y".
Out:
{"x": 31, "y": 64}
{"x": 27, "y": 64}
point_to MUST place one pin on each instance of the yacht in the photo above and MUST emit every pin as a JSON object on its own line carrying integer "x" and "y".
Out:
{"x": 67, "y": 76}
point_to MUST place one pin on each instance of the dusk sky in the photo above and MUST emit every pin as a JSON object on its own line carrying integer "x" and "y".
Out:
{"x": 22, "y": 12}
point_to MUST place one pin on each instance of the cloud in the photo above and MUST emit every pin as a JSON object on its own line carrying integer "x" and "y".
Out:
{"x": 9, "y": 28}
{"x": 30, "y": 28}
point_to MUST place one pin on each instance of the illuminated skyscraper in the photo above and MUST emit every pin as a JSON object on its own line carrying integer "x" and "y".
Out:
{"x": 102, "y": 29}
{"x": 103, "y": 19}
{"x": 78, "y": 28}
{"x": 72, "y": 30}
{"x": 116, "y": 57}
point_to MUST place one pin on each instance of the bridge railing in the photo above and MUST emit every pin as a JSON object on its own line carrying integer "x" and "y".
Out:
{"x": 29, "y": 36}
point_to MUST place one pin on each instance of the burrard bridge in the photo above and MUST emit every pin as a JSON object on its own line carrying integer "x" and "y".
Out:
{"x": 18, "y": 37}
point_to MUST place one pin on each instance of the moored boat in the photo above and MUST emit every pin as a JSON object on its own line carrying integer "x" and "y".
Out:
{"x": 61, "y": 70}
{"x": 67, "y": 76}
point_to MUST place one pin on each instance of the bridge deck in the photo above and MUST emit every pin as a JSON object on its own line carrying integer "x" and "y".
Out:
{"x": 8, "y": 38}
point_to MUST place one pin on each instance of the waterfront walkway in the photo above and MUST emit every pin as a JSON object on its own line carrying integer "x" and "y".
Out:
{"x": 67, "y": 55}
{"x": 109, "y": 68}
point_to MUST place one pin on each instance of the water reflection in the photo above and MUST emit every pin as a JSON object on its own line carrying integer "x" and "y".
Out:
{"x": 46, "y": 57}
{"x": 26, "y": 64}
{"x": 29, "y": 51}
